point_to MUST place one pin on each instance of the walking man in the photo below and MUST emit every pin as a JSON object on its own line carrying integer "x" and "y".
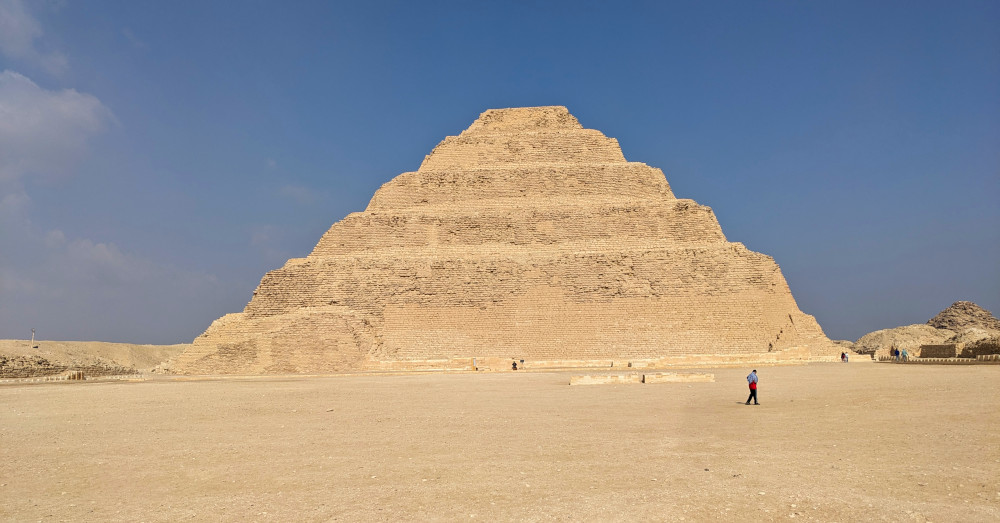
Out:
{"x": 752, "y": 380}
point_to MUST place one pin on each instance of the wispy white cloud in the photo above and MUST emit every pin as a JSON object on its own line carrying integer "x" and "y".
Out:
{"x": 84, "y": 260}
{"x": 133, "y": 39}
{"x": 13, "y": 222}
{"x": 20, "y": 33}
{"x": 263, "y": 235}
{"x": 55, "y": 239}
{"x": 267, "y": 240}
{"x": 45, "y": 132}
{"x": 298, "y": 194}
{"x": 64, "y": 262}
{"x": 82, "y": 285}
{"x": 14, "y": 206}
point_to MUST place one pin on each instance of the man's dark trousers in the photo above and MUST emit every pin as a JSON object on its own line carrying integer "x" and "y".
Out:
{"x": 753, "y": 396}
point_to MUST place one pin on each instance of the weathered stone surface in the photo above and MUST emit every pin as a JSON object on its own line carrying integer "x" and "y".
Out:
{"x": 964, "y": 324}
{"x": 909, "y": 337}
{"x": 976, "y": 342}
{"x": 21, "y": 360}
{"x": 526, "y": 237}
{"x": 963, "y": 315}
{"x": 605, "y": 379}
{"x": 944, "y": 350}
{"x": 678, "y": 377}
{"x": 844, "y": 344}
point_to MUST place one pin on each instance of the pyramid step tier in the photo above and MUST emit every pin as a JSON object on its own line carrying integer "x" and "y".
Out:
{"x": 627, "y": 223}
{"x": 551, "y": 328}
{"x": 461, "y": 276}
{"x": 471, "y": 186}
{"x": 483, "y": 149}
{"x": 542, "y": 326}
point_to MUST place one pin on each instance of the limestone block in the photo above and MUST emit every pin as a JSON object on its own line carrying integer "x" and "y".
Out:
{"x": 947, "y": 350}
{"x": 853, "y": 357}
{"x": 679, "y": 377}
{"x": 605, "y": 379}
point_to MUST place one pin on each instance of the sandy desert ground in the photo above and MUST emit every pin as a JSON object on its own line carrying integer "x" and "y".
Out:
{"x": 830, "y": 442}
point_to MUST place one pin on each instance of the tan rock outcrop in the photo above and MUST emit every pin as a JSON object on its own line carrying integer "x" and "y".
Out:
{"x": 963, "y": 315}
{"x": 528, "y": 237}
{"x": 967, "y": 327}
{"x": 989, "y": 345}
{"x": 22, "y": 359}
{"x": 909, "y": 337}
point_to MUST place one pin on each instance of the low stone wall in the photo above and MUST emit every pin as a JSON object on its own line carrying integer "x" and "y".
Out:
{"x": 679, "y": 377}
{"x": 792, "y": 356}
{"x": 43, "y": 369}
{"x": 605, "y": 379}
{"x": 947, "y": 350}
{"x": 487, "y": 364}
{"x": 657, "y": 377}
{"x": 451, "y": 364}
{"x": 852, "y": 357}
{"x": 984, "y": 347}
{"x": 74, "y": 375}
{"x": 936, "y": 361}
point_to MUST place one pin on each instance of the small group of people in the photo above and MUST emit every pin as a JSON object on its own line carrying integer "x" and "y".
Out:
{"x": 897, "y": 355}
{"x": 843, "y": 357}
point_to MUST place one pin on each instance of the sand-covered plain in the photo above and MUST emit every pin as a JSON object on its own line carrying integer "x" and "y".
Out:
{"x": 830, "y": 442}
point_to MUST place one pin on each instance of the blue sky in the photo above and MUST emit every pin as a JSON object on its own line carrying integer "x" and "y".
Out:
{"x": 157, "y": 158}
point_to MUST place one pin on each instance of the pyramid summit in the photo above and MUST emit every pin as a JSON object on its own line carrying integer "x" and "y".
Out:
{"x": 526, "y": 236}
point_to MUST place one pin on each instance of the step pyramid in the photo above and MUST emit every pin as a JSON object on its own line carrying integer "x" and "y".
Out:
{"x": 528, "y": 237}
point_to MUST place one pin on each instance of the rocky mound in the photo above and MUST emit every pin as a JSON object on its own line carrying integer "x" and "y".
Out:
{"x": 49, "y": 358}
{"x": 909, "y": 337}
{"x": 962, "y": 315}
{"x": 972, "y": 335}
{"x": 987, "y": 345}
{"x": 37, "y": 366}
{"x": 973, "y": 329}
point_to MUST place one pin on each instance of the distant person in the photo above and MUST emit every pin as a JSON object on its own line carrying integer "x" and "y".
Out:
{"x": 513, "y": 366}
{"x": 906, "y": 355}
{"x": 843, "y": 357}
{"x": 752, "y": 380}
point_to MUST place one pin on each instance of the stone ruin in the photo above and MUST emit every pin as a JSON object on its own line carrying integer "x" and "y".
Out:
{"x": 526, "y": 237}
{"x": 963, "y": 315}
{"x": 963, "y": 329}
